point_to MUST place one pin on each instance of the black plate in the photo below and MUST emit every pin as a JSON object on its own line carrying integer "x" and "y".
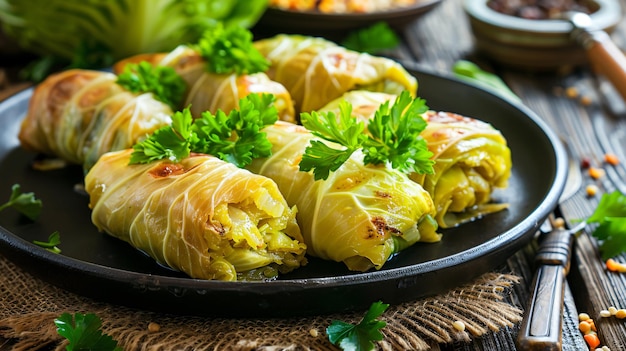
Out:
{"x": 99, "y": 266}
{"x": 336, "y": 26}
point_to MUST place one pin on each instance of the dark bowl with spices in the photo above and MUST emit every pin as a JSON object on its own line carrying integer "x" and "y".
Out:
{"x": 532, "y": 34}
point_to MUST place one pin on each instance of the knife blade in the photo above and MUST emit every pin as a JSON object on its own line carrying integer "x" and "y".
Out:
{"x": 542, "y": 324}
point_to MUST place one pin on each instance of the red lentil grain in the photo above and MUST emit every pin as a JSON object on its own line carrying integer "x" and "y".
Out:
{"x": 596, "y": 173}
{"x": 611, "y": 159}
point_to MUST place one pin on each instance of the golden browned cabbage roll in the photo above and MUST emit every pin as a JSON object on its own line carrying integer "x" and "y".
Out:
{"x": 472, "y": 159}
{"x": 78, "y": 115}
{"x": 202, "y": 216}
{"x": 361, "y": 215}
{"x": 211, "y": 92}
{"x": 316, "y": 71}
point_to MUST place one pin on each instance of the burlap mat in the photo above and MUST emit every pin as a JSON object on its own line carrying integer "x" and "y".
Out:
{"x": 28, "y": 307}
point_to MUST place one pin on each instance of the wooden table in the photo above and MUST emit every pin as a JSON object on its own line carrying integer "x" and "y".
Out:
{"x": 436, "y": 42}
{"x": 442, "y": 37}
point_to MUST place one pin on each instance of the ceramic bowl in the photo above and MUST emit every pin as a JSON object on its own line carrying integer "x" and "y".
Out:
{"x": 533, "y": 44}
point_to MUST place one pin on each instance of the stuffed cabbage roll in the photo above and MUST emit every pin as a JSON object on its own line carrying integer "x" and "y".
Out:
{"x": 202, "y": 216}
{"x": 361, "y": 215}
{"x": 210, "y": 91}
{"x": 78, "y": 115}
{"x": 316, "y": 71}
{"x": 472, "y": 159}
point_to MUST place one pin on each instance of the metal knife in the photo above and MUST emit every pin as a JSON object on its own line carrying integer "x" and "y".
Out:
{"x": 542, "y": 324}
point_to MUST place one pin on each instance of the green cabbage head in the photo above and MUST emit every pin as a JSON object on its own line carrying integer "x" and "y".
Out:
{"x": 116, "y": 29}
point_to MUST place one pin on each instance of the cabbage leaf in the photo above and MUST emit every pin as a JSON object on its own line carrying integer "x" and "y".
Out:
{"x": 98, "y": 32}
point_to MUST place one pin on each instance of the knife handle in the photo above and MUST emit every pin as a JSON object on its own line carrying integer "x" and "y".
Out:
{"x": 606, "y": 58}
{"x": 541, "y": 327}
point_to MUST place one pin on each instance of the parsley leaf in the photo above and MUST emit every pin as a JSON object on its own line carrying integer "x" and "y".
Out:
{"x": 235, "y": 137}
{"x": 84, "y": 334}
{"x": 359, "y": 337}
{"x": 230, "y": 50}
{"x": 25, "y": 203}
{"x": 393, "y": 137}
{"x": 610, "y": 215}
{"x": 163, "y": 82}
{"x": 171, "y": 142}
{"x": 51, "y": 245}
{"x": 372, "y": 39}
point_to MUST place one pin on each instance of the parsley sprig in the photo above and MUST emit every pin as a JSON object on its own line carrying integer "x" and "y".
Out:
{"x": 235, "y": 137}
{"x": 393, "y": 136}
{"x": 83, "y": 333}
{"x": 373, "y": 39}
{"x": 25, "y": 203}
{"x": 610, "y": 215}
{"x": 360, "y": 336}
{"x": 163, "y": 82}
{"x": 52, "y": 245}
{"x": 230, "y": 50}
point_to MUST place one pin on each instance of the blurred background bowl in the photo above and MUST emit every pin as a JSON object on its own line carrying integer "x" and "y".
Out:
{"x": 336, "y": 26}
{"x": 534, "y": 44}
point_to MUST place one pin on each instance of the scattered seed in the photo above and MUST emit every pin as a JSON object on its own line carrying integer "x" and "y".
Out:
{"x": 571, "y": 92}
{"x": 591, "y": 190}
{"x": 459, "y": 325}
{"x": 314, "y": 333}
{"x": 585, "y": 163}
{"x": 583, "y": 317}
{"x": 605, "y": 313}
{"x": 585, "y": 100}
{"x": 153, "y": 327}
{"x": 613, "y": 310}
{"x": 621, "y": 313}
{"x": 584, "y": 327}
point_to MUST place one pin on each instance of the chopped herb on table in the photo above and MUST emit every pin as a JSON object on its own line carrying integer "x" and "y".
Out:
{"x": 359, "y": 337}
{"x": 610, "y": 215}
{"x": 25, "y": 203}
{"x": 83, "y": 333}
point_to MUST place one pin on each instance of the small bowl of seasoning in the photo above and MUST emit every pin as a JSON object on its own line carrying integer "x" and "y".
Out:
{"x": 534, "y": 34}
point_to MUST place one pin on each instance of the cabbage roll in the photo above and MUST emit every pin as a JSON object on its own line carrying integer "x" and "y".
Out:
{"x": 316, "y": 71}
{"x": 78, "y": 115}
{"x": 211, "y": 92}
{"x": 202, "y": 216}
{"x": 361, "y": 215}
{"x": 472, "y": 159}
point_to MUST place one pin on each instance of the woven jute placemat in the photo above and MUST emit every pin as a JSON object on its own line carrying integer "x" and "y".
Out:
{"x": 29, "y": 306}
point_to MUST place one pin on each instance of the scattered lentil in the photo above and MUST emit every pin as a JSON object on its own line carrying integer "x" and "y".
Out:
{"x": 621, "y": 313}
{"x": 614, "y": 266}
{"x": 571, "y": 92}
{"x": 314, "y": 333}
{"x": 585, "y": 100}
{"x": 583, "y": 317}
{"x": 611, "y": 159}
{"x": 596, "y": 173}
{"x": 613, "y": 310}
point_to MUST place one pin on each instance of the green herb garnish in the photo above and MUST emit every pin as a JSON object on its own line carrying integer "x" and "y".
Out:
{"x": 236, "y": 137}
{"x": 393, "y": 137}
{"x": 163, "y": 82}
{"x": 372, "y": 39}
{"x": 52, "y": 244}
{"x": 359, "y": 337}
{"x": 610, "y": 215}
{"x": 230, "y": 50}
{"x": 25, "y": 203}
{"x": 83, "y": 333}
